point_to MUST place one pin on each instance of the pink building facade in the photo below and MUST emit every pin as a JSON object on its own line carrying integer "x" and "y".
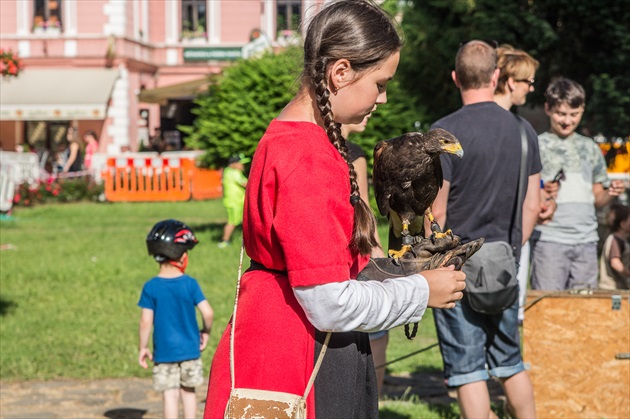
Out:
{"x": 126, "y": 69}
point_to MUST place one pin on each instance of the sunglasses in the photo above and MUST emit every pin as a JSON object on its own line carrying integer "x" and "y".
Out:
{"x": 528, "y": 81}
{"x": 494, "y": 44}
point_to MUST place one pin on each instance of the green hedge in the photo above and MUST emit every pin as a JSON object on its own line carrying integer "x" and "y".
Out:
{"x": 233, "y": 115}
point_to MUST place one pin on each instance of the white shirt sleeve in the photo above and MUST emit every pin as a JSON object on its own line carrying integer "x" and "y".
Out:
{"x": 366, "y": 306}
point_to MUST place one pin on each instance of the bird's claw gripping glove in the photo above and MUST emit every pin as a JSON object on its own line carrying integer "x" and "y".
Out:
{"x": 426, "y": 254}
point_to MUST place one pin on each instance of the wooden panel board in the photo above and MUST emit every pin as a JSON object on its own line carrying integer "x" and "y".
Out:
{"x": 570, "y": 342}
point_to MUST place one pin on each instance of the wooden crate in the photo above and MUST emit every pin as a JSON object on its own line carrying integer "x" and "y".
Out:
{"x": 573, "y": 343}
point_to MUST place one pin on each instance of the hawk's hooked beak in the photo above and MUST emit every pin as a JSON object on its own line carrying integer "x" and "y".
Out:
{"x": 454, "y": 148}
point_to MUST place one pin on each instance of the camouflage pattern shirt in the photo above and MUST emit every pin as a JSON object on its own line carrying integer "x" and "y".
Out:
{"x": 575, "y": 220}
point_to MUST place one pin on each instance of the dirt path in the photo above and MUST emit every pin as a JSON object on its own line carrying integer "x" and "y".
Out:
{"x": 128, "y": 398}
{"x": 134, "y": 398}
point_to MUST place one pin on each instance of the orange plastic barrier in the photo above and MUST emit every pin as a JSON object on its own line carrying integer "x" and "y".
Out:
{"x": 206, "y": 184}
{"x": 130, "y": 179}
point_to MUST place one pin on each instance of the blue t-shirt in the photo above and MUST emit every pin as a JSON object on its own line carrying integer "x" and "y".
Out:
{"x": 175, "y": 329}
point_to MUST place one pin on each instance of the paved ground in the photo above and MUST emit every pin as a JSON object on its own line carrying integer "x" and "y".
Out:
{"x": 133, "y": 398}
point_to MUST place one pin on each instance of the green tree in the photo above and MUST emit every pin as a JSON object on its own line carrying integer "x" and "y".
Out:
{"x": 240, "y": 103}
{"x": 233, "y": 115}
{"x": 575, "y": 39}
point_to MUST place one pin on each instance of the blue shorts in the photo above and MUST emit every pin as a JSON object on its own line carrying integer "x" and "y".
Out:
{"x": 475, "y": 346}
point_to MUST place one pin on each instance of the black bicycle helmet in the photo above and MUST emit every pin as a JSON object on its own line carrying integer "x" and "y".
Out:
{"x": 169, "y": 239}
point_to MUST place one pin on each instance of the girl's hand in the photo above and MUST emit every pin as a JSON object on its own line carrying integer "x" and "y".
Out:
{"x": 446, "y": 286}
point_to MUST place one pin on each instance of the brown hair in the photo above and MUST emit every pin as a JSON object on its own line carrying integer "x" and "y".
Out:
{"x": 362, "y": 33}
{"x": 514, "y": 63}
{"x": 618, "y": 213}
{"x": 475, "y": 63}
{"x": 567, "y": 91}
{"x": 90, "y": 133}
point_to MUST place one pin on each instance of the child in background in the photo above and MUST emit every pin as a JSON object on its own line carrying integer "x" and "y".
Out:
{"x": 565, "y": 253}
{"x": 168, "y": 304}
{"x": 234, "y": 182}
{"x": 615, "y": 259}
{"x": 356, "y": 155}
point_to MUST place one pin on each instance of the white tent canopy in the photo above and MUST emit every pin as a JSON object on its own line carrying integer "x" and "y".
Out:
{"x": 57, "y": 94}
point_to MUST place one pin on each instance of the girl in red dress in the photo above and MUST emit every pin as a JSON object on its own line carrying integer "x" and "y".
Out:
{"x": 308, "y": 234}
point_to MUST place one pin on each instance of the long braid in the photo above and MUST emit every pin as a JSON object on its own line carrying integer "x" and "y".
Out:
{"x": 363, "y": 234}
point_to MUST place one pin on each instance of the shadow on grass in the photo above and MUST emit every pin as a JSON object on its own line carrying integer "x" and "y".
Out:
{"x": 386, "y": 413}
{"x": 214, "y": 229}
{"x": 125, "y": 413}
{"x": 7, "y": 306}
{"x": 426, "y": 385}
{"x": 446, "y": 411}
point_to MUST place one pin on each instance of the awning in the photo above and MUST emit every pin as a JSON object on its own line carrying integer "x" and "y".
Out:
{"x": 186, "y": 90}
{"x": 57, "y": 94}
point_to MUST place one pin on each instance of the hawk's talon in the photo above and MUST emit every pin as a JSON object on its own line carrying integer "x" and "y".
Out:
{"x": 436, "y": 235}
{"x": 397, "y": 254}
{"x": 441, "y": 235}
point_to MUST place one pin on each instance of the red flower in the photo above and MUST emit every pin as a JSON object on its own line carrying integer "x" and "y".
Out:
{"x": 55, "y": 192}
{"x": 16, "y": 198}
{"x": 10, "y": 64}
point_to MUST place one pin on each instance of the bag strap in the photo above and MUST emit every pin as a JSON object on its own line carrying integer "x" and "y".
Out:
{"x": 522, "y": 176}
{"x": 320, "y": 358}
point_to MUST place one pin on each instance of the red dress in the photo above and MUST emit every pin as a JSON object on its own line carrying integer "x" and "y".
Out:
{"x": 298, "y": 222}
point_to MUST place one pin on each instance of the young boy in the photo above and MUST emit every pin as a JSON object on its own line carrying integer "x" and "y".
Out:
{"x": 234, "y": 182}
{"x": 565, "y": 253}
{"x": 168, "y": 304}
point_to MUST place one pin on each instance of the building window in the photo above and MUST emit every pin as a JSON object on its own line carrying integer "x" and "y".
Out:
{"x": 194, "y": 19}
{"x": 47, "y": 16}
{"x": 288, "y": 17}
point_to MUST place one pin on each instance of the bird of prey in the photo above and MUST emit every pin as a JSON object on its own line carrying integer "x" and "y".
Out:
{"x": 407, "y": 176}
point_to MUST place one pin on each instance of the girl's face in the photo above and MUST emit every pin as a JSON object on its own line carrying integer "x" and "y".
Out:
{"x": 357, "y": 95}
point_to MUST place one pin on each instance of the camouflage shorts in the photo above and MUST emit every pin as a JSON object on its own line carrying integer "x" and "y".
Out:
{"x": 168, "y": 376}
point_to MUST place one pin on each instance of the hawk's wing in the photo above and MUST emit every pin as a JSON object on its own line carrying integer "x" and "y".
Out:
{"x": 382, "y": 185}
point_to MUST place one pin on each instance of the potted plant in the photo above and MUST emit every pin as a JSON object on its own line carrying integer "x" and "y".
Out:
{"x": 10, "y": 64}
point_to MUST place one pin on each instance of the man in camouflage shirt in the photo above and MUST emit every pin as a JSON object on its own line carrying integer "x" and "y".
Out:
{"x": 565, "y": 251}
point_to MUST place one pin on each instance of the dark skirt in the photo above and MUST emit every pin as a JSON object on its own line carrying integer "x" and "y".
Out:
{"x": 345, "y": 386}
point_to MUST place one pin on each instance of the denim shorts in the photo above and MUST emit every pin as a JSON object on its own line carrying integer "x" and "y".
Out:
{"x": 475, "y": 346}
{"x": 377, "y": 335}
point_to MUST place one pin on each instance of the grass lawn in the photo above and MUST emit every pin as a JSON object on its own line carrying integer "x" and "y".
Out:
{"x": 71, "y": 280}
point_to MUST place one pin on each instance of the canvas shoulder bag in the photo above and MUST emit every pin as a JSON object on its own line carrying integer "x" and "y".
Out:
{"x": 247, "y": 403}
{"x": 491, "y": 283}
